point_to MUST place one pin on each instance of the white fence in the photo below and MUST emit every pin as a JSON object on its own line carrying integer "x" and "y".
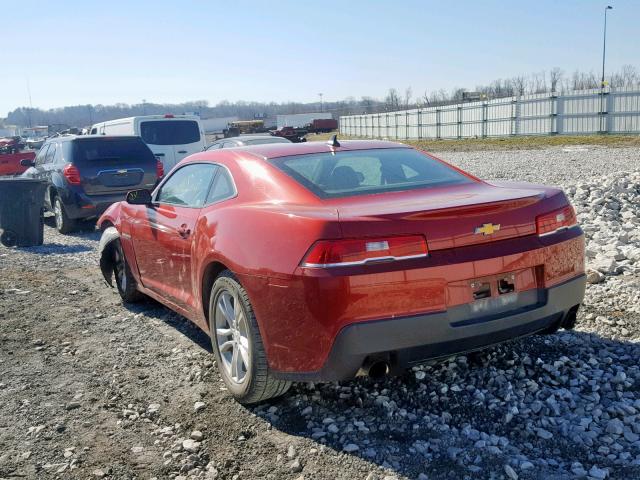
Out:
{"x": 567, "y": 113}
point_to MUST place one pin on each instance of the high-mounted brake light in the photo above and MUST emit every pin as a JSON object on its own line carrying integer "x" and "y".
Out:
{"x": 560, "y": 219}
{"x": 344, "y": 253}
{"x": 169, "y": 115}
{"x": 159, "y": 169}
{"x": 72, "y": 174}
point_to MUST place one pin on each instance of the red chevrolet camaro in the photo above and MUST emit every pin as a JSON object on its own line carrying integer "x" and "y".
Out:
{"x": 316, "y": 261}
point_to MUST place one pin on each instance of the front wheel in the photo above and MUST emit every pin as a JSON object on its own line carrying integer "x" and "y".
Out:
{"x": 237, "y": 344}
{"x": 125, "y": 282}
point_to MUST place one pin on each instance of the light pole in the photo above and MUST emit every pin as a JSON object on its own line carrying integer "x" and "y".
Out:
{"x": 320, "y": 95}
{"x": 604, "y": 41}
{"x": 602, "y": 82}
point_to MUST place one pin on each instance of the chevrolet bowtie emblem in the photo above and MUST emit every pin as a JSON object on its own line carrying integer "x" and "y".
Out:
{"x": 487, "y": 229}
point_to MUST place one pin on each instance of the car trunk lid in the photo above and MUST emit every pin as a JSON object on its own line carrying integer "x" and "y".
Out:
{"x": 454, "y": 216}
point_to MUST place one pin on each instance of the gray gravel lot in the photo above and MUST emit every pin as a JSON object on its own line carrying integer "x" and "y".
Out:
{"x": 91, "y": 389}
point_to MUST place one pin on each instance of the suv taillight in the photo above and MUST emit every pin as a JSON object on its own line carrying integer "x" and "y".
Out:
{"x": 159, "y": 169}
{"x": 344, "y": 253}
{"x": 72, "y": 174}
{"x": 560, "y": 219}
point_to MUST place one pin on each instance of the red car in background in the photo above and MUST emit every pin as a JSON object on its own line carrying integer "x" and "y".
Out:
{"x": 10, "y": 163}
{"x": 314, "y": 261}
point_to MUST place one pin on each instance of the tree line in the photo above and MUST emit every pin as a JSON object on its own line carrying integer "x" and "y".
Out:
{"x": 554, "y": 80}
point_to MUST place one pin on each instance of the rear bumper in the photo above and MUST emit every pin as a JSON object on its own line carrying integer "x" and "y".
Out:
{"x": 402, "y": 342}
{"x": 82, "y": 206}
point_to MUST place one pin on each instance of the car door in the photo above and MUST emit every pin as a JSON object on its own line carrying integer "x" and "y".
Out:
{"x": 163, "y": 233}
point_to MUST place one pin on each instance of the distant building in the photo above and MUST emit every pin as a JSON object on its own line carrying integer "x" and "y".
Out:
{"x": 35, "y": 132}
{"x": 300, "y": 119}
{"x": 9, "y": 130}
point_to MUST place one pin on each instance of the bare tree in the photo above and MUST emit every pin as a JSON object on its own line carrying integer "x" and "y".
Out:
{"x": 519, "y": 84}
{"x": 408, "y": 93}
{"x": 629, "y": 76}
{"x": 425, "y": 99}
{"x": 393, "y": 99}
{"x": 555, "y": 78}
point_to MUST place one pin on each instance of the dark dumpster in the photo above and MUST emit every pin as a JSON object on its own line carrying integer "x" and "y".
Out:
{"x": 21, "y": 212}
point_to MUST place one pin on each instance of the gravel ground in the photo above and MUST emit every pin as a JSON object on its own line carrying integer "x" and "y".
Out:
{"x": 91, "y": 389}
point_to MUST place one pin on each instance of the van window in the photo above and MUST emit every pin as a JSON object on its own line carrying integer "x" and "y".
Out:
{"x": 170, "y": 132}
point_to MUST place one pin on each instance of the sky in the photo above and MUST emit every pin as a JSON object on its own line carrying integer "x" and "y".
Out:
{"x": 175, "y": 51}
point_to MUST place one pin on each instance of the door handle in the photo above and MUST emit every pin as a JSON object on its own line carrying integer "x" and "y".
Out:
{"x": 183, "y": 231}
{"x": 159, "y": 154}
{"x": 182, "y": 151}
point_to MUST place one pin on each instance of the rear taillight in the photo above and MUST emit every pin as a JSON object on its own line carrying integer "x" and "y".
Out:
{"x": 72, "y": 174}
{"x": 344, "y": 253}
{"x": 159, "y": 169}
{"x": 560, "y": 219}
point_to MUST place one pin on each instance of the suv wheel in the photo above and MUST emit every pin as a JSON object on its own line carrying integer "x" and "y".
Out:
{"x": 237, "y": 344}
{"x": 64, "y": 224}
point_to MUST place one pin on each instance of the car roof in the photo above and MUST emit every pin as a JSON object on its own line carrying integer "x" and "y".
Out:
{"x": 276, "y": 150}
{"x": 68, "y": 138}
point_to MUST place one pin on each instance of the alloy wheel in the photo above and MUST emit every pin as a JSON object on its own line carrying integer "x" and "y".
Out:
{"x": 232, "y": 336}
{"x": 57, "y": 210}
{"x": 120, "y": 268}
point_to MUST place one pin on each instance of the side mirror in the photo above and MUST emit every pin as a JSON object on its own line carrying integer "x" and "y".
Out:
{"x": 25, "y": 162}
{"x": 139, "y": 197}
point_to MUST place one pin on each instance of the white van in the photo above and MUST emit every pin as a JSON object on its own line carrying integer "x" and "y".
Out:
{"x": 170, "y": 137}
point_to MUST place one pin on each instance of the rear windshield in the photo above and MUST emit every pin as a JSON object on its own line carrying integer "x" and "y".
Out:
{"x": 170, "y": 132}
{"x": 361, "y": 172}
{"x": 104, "y": 150}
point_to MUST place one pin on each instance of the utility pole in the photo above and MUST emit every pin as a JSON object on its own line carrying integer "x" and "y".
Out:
{"x": 320, "y": 95}
{"x": 602, "y": 82}
{"x": 30, "y": 102}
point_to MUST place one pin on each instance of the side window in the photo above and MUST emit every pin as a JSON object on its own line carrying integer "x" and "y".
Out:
{"x": 93, "y": 131}
{"x": 59, "y": 157}
{"x": 42, "y": 154}
{"x": 222, "y": 187}
{"x": 51, "y": 153}
{"x": 187, "y": 186}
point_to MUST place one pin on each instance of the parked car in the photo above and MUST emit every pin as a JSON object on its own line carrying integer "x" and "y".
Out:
{"x": 86, "y": 174}
{"x": 35, "y": 143}
{"x": 11, "y": 163}
{"x": 295, "y": 135}
{"x": 11, "y": 144}
{"x": 170, "y": 137}
{"x": 245, "y": 141}
{"x": 316, "y": 261}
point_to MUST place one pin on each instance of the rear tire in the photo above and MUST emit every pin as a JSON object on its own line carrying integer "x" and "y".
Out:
{"x": 64, "y": 224}
{"x": 236, "y": 340}
{"x": 125, "y": 282}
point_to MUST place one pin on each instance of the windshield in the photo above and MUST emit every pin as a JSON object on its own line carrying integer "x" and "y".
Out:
{"x": 360, "y": 172}
{"x": 170, "y": 132}
{"x": 111, "y": 149}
